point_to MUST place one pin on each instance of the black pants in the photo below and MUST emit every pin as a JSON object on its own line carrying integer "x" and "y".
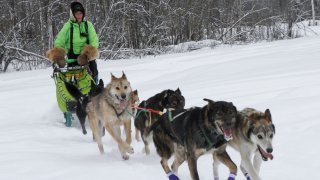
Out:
{"x": 94, "y": 70}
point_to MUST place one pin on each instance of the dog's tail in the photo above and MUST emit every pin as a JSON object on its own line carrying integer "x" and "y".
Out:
{"x": 73, "y": 91}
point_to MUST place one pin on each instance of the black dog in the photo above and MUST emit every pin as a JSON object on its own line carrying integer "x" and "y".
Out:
{"x": 164, "y": 100}
{"x": 193, "y": 132}
{"x": 82, "y": 100}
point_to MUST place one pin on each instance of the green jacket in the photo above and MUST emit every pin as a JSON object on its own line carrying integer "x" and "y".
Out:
{"x": 63, "y": 37}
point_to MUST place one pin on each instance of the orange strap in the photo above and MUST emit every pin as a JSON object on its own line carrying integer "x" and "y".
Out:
{"x": 73, "y": 75}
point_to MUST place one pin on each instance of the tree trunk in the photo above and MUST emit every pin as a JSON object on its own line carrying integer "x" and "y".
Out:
{"x": 313, "y": 13}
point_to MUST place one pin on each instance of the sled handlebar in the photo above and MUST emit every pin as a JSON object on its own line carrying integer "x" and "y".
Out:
{"x": 66, "y": 69}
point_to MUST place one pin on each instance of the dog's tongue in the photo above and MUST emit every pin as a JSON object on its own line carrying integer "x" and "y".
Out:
{"x": 227, "y": 133}
{"x": 265, "y": 154}
{"x": 123, "y": 103}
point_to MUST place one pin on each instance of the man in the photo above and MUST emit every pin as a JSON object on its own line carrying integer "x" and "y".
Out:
{"x": 83, "y": 33}
{"x": 79, "y": 41}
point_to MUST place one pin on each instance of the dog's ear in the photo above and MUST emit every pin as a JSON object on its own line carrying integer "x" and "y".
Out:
{"x": 164, "y": 99}
{"x": 268, "y": 115}
{"x": 113, "y": 77}
{"x": 178, "y": 91}
{"x": 124, "y": 77}
{"x": 135, "y": 92}
{"x": 101, "y": 83}
{"x": 250, "y": 128}
{"x": 208, "y": 100}
{"x": 234, "y": 107}
{"x": 273, "y": 128}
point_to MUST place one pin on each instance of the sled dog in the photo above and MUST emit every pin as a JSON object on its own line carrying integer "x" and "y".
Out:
{"x": 190, "y": 133}
{"x": 163, "y": 100}
{"x": 112, "y": 109}
{"x": 252, "y": 136}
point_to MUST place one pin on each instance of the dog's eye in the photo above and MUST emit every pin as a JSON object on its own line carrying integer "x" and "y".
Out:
{"x": 117, "y": 88}
{"x": 174, "y": 103}
{"x": 230, "y": 112}
{"x": 125, "y": 87}
{"x": 260, "y": 137}
{"x": 271, "y": 136}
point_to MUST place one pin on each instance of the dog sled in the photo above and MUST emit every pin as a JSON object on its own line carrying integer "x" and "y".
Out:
{"x": 77, "y": 76}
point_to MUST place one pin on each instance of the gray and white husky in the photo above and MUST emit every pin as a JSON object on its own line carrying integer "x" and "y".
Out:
{"x": 252, "y": 137}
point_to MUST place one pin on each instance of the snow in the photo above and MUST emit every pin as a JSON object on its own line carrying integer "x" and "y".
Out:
{"x": 282, "y": 76}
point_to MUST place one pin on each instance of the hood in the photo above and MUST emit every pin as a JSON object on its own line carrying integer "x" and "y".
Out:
{"x": 74, "y": 7}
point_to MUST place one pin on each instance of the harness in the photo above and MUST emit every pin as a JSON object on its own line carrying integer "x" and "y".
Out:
{"x": 71, "y": 54}
{"x": 212, "y": 139}
{"x": 147, "y": 110}
{"x": 119, "y": 114}
{"x": 141, "y": 110}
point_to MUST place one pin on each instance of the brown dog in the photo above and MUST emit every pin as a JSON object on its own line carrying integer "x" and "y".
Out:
{"x": 112, "y": 108}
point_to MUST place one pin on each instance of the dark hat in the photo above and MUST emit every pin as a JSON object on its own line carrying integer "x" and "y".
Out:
{"x": 77, "y": 6}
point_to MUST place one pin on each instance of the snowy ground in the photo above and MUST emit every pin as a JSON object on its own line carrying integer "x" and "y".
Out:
{"x": 282, "y": 76}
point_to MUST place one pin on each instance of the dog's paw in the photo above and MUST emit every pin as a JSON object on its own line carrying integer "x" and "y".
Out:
{"x": 247, "y": 176}
{"x": 125, "y": 156}
{"x": 130, "y": 150}
{"x": 172, "y": 176}
{"x": 84, "y": 132}
{"x": 232, "y": 176}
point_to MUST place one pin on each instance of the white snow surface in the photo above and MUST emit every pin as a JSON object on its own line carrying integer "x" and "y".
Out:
{"x": 283, "y": 76}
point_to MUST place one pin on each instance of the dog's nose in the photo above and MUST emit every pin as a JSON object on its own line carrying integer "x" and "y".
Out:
{"x": 123, "y": 96}
{"x": 269, "y": 150}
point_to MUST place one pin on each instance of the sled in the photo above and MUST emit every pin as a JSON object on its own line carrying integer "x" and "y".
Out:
{"x": 79, "y": 77}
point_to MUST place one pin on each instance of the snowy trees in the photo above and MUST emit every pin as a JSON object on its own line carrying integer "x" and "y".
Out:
{"x": 21, "y": 37}
{"x": 28, "y": 28}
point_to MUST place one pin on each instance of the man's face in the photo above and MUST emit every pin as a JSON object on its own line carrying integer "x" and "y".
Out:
{"x": 79, "y": 16}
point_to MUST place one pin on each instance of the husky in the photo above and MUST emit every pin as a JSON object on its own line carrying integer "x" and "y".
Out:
{"x": 253, "y": 135}
{"x": 167, "y": 99}
{"x": 112, "y": 108}
{"x": 82, "y": 100}
{"x": 193, "y": 132}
